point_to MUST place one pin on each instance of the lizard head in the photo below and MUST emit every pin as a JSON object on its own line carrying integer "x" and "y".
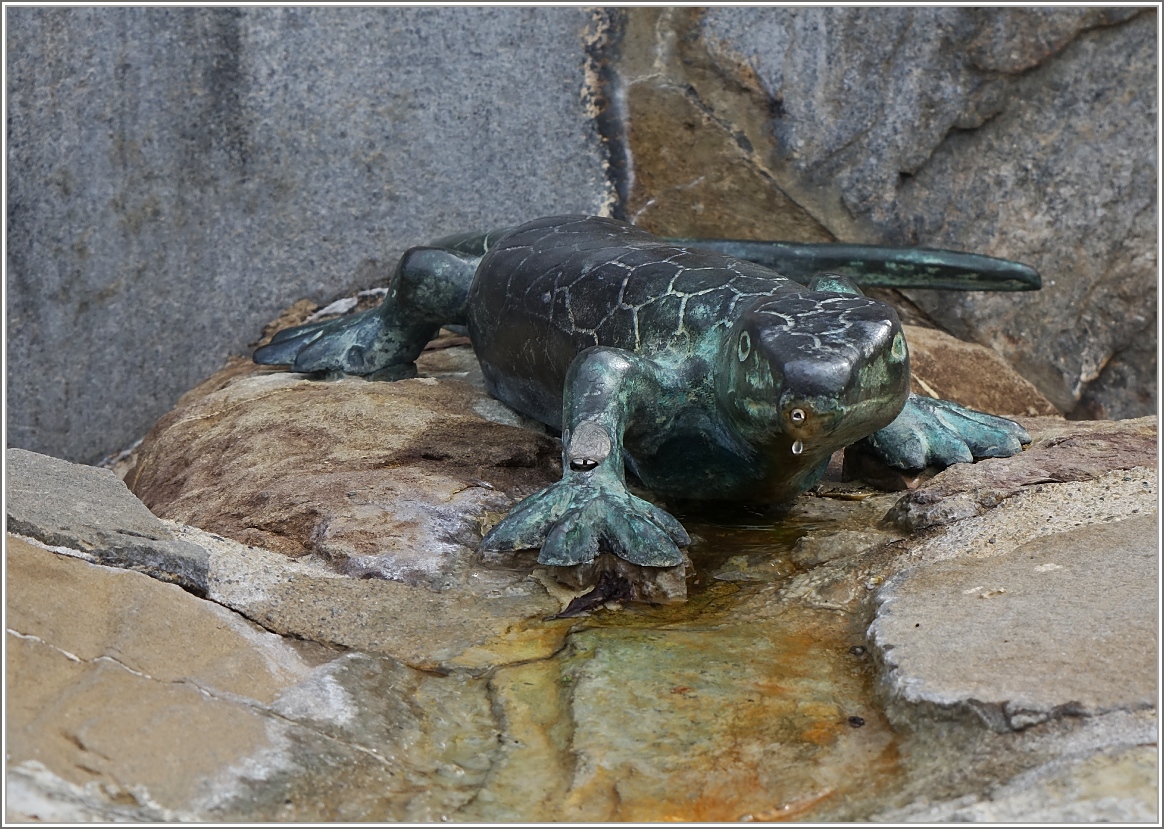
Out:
{"x": 811, "y": 372}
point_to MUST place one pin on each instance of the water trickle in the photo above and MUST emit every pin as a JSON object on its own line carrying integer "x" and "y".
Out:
{"x": 739, "y": 703}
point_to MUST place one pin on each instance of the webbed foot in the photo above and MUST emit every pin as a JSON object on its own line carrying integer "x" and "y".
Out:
{"x": 932, "y": 432}
{"x": 429, "y": 287}
{"x": 361, "y": 344}
{"x": 585, "y": 513}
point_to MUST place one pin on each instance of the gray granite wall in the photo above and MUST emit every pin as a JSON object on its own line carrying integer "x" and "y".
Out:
{"x": 176, "y": 176}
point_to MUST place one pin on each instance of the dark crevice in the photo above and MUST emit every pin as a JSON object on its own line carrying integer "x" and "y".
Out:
{"x": 1091, "y": 406}
{"x": 603, "y": 50}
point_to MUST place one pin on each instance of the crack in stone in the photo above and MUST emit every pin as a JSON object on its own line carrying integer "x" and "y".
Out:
{"x": 72, "y": 657}
{"x": 76, "y": 740}
{"x": 497, "y": 708}
{"x": 218, "y": 696}
{"x": 603, "y": 96}
{"x": 368, "y": 750}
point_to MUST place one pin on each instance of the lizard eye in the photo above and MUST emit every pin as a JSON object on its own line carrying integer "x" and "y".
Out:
{"x": 797, "y": 416}
{"x": 745, "y": 345}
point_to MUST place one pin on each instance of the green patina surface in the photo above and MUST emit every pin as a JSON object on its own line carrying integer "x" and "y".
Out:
{"x": 711, "y": 370}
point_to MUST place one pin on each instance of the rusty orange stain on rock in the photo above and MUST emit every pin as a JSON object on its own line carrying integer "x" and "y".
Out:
{"x": 749, "y": 721}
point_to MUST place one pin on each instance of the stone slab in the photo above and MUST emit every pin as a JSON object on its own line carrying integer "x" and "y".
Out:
{"x": 1109, "y": 786}
{"x": 114, "y": 678}
{"x": 1063, "y": 625}
{"x": 474, "y": 626}
{"x": 129, "y": 699}
{"x": 91, "y": 511}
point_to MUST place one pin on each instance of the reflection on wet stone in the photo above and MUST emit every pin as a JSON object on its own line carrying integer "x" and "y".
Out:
{"x": 754, "y": 698}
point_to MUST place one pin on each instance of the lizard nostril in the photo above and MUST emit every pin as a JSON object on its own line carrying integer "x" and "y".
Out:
{"x": 898, "y": 350}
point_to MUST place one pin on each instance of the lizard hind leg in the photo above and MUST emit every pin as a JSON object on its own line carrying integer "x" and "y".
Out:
{"x": 345, "y": 344}
{"x": 429, "y": 288}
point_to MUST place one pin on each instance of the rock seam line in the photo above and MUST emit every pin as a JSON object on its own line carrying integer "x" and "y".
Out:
{"x": 220, "y": 696}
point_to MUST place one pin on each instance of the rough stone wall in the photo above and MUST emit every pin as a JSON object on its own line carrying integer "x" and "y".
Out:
{"x": 176, "y": 176}
{"x": 1023, "y": 133}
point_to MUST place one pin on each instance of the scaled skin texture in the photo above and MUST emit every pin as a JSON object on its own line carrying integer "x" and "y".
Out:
{"x": 709, "y": 376}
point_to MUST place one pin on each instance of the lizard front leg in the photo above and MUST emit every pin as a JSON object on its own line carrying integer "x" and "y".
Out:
{"x": 590, "y": 510}
{"x": 932, "y": 432}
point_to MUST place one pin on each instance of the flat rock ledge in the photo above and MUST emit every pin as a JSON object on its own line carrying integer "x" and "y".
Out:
{"x": 90, "y": 512}
{"x": 1061, "y": 625}
{"x": 1061, "y": 451}
{"x": 1109, "y": 785}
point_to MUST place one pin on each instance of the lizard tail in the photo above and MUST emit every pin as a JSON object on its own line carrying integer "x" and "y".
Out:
{"x": 873, "y": 266}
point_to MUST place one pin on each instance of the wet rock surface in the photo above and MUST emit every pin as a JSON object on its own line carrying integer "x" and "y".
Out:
{"x": 321, "y": 679}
